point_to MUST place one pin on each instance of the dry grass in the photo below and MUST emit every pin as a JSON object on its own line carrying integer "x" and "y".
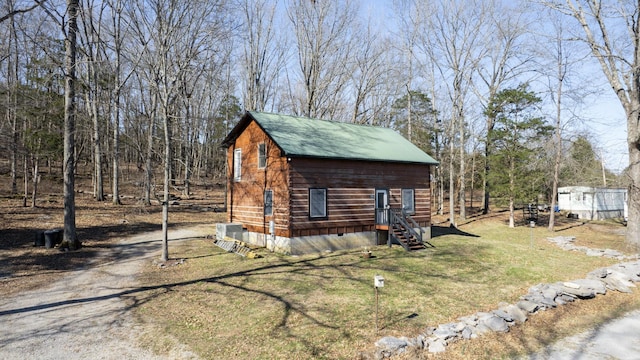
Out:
{"x": 315, "y": 306}
{"x": 322, "y": 306}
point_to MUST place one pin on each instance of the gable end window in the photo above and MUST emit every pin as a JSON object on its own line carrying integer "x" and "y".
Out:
{"x": 317, "y": 203}
{"x": 408, "y": 201}
{"x": 237, "y": 164}
{"x": 268, "y": 202}
{"x": 262, "y": 156}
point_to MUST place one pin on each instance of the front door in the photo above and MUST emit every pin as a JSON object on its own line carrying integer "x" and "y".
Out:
{"x": 382, "y": 202}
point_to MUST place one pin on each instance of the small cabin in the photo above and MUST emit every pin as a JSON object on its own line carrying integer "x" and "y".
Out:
{"x": 592, "y": 203}
{"x": 299, "y": 185}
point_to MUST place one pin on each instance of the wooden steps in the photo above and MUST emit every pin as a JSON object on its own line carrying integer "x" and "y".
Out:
{"x": 235, "y": 246}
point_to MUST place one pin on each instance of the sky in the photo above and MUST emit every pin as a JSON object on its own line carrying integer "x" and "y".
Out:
{"x": 608, "y": 126}
{"x": 603, "y": 118}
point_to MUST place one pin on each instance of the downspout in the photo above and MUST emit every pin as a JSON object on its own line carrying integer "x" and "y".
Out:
{"x": 264, "y": 188}
{"x": 230, "y": 179}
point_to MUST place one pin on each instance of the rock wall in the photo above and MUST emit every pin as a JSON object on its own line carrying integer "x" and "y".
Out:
{"x": 620, "y": 277}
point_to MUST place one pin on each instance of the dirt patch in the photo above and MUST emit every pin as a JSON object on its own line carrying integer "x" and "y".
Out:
{"x": 99, "y": 225}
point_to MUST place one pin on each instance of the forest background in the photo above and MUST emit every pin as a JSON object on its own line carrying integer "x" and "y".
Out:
{"x": 497, "y": 91}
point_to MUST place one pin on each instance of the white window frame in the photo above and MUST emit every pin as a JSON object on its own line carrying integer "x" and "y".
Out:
{"x": 320, "y": 210}
{"x": 262, "y": 156}
{"x": 237, "y": 165}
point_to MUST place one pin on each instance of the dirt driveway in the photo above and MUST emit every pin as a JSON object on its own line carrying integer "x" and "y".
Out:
{"x": 85, "y": 314}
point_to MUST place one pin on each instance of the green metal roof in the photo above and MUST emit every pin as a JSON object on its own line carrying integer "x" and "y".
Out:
{"x": 300, "y": 136}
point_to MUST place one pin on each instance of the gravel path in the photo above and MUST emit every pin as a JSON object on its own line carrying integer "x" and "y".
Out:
{"x": 85, "y": 314}
{"x": 616, "y": 339}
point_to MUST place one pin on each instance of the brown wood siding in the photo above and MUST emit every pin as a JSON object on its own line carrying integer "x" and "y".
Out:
{"x": 350, "y": 188}
{"x": 350, "y": 193}
{"x": 245, "y": 198}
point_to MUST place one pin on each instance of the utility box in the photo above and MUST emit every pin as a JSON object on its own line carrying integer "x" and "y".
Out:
{"x": 378, "y": 281}
{"x": 233, "y": 231}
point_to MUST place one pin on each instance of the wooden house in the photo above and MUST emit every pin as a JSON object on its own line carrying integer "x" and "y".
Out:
{"x": 300, "y": 185}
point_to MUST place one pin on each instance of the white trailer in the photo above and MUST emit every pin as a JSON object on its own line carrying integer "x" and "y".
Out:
{"x": 593, "y": 203}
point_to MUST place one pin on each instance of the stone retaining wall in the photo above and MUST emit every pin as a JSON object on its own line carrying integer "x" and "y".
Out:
{"x": 620, "y": 277}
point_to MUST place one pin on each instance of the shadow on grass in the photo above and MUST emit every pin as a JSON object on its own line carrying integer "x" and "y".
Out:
{"x": 346, "y": 264}
{"x": 451, "y": 230}
{"x": 23, "y": 257}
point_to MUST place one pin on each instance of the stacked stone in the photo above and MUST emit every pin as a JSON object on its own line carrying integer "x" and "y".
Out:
{"x": 566, "y": 243}
{"x": 619, "y": 277}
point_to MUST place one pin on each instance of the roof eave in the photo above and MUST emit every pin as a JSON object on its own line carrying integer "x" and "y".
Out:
{"x": 305, "y": 156}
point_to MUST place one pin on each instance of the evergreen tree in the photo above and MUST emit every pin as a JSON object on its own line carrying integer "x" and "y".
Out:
{"x": 517, "y": 138}
{"x": 424, "y": 120}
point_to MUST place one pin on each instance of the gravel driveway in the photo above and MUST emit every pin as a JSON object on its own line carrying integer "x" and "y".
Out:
{"x": 616, "y": 339}
{"x": 85, "y": 314}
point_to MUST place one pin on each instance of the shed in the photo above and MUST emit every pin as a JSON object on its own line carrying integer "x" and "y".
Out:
{"x": 593, "y": 203}
{"x": 299, "y": 185}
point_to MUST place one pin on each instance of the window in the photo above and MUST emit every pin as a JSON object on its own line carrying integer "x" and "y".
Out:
{"x": 268, "y": 202}
{"x": 317, "y": 203}
{"x": 262, "y": 156}
{"x": 408, "y": 203}
{"x": 237, "y": 164}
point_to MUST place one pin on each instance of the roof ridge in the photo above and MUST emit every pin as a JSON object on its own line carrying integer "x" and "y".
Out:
{"x": 318, "y": 119}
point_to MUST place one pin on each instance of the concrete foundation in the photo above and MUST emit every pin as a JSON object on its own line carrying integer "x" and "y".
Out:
{"x": 233, "y": 231}
{"x": 312, "y": 244}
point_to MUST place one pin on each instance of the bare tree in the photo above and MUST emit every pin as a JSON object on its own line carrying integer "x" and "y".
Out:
{"x": 12, "y": 95}
{"x": 368, "y": 73}
{"x": 90, "y": 38}
{"x": 263, "y": 55}
{"x": 16, "y": 11}
{"x": 69, "y": 125}
{"x": 118, "y": 82}
{"x": 323, "y": 40}
{"x": 175, "y": 36}
{"x": 452, "y": 39}
{"x": 504, "y": 61}
{"x": 612, "y": 32}
{"x": 563, "y": 56}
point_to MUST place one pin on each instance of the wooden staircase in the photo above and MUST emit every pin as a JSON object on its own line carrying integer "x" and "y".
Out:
{"x": 402, "y": 231}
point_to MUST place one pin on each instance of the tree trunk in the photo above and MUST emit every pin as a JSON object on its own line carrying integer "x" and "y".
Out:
{"x": 452, "y": 210}
{"x": 116, "y": 106}
{"x": 487, "y": 153}
{"x": 167, "y": 180}
{"x": 116, "y": 153}
{"x": 558, "y": 155}
{"x": 12, "y": 100}
{"x": 149, "y": 161}
{"x": 463, "y": 205}
{"x": 512, "y": 190}
{"x": 70, "y": 237}
{"x": 633, "y": 224}
{"x": 97, "y": 149}
{"x": 36, "y": 175}
{"x": 25, "y": 170}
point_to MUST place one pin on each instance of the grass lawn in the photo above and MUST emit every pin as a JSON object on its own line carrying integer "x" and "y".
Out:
{"x": 323, "y": 306}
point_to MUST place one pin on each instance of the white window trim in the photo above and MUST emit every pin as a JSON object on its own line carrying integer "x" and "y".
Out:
{"x": 237, "y": 165}
{"x": 264, "y": 145}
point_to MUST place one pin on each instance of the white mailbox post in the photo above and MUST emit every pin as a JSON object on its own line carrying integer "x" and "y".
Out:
{"x": 378, "y": 282}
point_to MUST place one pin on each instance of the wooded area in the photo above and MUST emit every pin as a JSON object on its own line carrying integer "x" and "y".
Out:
{"x": 491, "y": 89}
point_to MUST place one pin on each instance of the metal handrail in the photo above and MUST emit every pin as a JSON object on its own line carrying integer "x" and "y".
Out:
{"x": 401, "y": 217}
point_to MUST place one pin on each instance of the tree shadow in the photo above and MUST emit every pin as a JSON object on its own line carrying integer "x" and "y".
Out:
{"x": 348, "y": 264}
{"x": 450, "y": 230}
